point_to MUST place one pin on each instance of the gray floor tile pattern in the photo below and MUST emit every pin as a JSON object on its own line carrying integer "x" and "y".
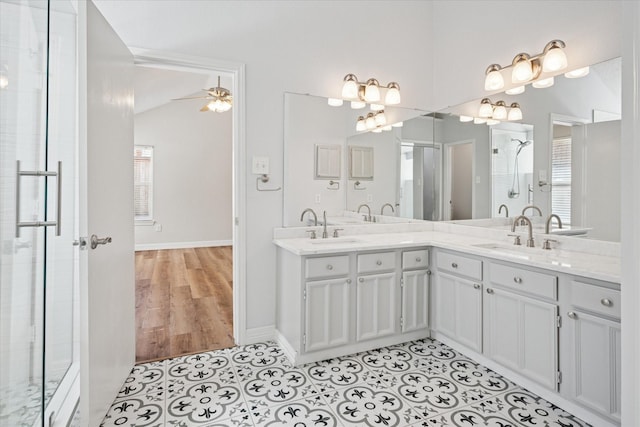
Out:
{"x": 419, "y": 383}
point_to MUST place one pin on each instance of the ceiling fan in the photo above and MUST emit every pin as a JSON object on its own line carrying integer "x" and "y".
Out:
{"x": 218, "y": 99}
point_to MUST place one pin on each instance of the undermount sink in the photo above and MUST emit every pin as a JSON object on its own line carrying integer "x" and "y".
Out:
{"x": 505, "y": 249}
{"x": 333, "y": 241}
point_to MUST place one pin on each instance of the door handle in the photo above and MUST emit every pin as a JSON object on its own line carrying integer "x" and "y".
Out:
{"x": 95, "y": 241}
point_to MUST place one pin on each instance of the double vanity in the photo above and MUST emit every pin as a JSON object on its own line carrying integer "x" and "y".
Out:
{"x": 547, "y": 319}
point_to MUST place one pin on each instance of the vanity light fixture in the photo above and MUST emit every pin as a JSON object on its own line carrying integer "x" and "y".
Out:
{"x": 491, "y": 122}
{"x": 387, "y": 128}
{"x": 580, "y": 72}
{"x": 541, "y": 84}
{"x": 479, "y": 121}
{"x": 465, "y": 119}
{"x": 335, "y": 102}
{"x": 497, "y": 111}
{"x": 525, "y": 68}
{"x": 369, "y": 91}
{"x": 357, "y": 105}
{"x": 372, "y": 121}
{"x": 360, "y": 124}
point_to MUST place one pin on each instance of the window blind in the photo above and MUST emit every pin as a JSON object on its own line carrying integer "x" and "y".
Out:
{"x": 142, "y": 182}
{"x": 561, "y": 179}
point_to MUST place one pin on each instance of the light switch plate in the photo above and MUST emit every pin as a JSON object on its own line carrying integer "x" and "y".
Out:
{"x": 260, "y": 165}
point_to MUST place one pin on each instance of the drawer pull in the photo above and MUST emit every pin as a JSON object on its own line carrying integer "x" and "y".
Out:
{"x": 348, "y": 281}
{"x": 428, "y": 272}
{"x": 361, "y": 280}
{"x": 606, "y": 302}
{"x": 454, "y": 265}
{"x": 517, "y": 279}
{"x": 572, "y": 315}
{"x": 418, "y": 259}
{"x": 378, "y": 262}
{"x": 489, "y": 291}
{"x": 476, "y": 286}
{"x": 329, "y": 267}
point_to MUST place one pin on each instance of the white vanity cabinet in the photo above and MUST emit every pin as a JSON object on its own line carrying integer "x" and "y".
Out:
{"x": 343, "y": 303}
{"x": 457, "y": 298}
{"x": 594, "y": 351}
{"x": 521, "y": 322}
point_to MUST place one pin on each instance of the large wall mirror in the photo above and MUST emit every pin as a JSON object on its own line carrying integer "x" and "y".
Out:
{"x": 563, "y": 156}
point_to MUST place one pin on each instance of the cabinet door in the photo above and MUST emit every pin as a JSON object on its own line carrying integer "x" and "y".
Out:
{"x": 376, "y": 306}
{"x": 458, "y": 309}
{"x": 522, "y": 334}
{"x": 596, "y": 352}
{"x": 327, "y": 306}
{"x": 415, "y": 300}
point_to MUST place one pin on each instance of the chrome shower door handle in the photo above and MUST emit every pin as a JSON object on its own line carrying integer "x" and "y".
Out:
{"x": 95, "y": 241}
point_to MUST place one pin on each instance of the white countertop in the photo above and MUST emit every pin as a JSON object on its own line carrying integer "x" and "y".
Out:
{"x": 596, "y": 266}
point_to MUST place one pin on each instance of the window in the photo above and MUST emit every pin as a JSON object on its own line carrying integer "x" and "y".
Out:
{"x": 561, "y": 179}
{"x": 143, "y": 183}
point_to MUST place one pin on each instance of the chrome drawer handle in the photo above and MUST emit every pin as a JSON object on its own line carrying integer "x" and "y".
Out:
{"x": 361, "y": 280}
{"x": 489, "y": 291}
{"x": 476, "y": 286}
{"x": 517, "y": 280}
{"x": 329, "y": 267}
{"x": 378, "y": 262}
{"x": 418, "y": 259}
{"x": 572, "y": 315}
{"x": 454, "y": 265}
{"x": 606, "y": 302}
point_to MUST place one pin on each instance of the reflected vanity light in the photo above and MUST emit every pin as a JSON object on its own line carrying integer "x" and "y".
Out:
{"x": 580, "y": 72}
{"x": 491, "y": 122}
{"x": 356, "y": 105}
{"x": 335, "y": 102}
{"x": 360, "y": 124}
{"x": 515, "y": 113}
{"x": 515, "y": 91}
{"x": 397, "y": 125}
{"x": 377, "y": 130}
{"x": 465, "y": 119}
{"x": 498, "y": 111}
{"x": 387, "y": 128}
{"x": 544, "y": 83}
{"x": 372, "y": 121}
{"x": 525, "y": 67}
{"x": 479, "y": 121}
{"x": 376, "y": 107}
{"x": 370, "y": 91}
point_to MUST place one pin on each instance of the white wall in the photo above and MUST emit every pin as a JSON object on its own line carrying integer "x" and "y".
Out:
{"x": 192, "y": 175}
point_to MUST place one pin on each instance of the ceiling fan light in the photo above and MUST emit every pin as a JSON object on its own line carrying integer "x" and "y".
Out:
{"x": 580, "y": 72}
{"x": 494, "y": 79}
{"x": 372, "y": 91}
{"x": 515, "y": 91}
{"x": 350, "y": 87}
{"x": 335, "y": 102}
{"x": 393, "y": 94}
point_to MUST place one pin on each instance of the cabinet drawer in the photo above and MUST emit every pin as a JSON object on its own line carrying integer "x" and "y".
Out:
{"x": 415, "y": 259}
{"x": 540, "y": 284}
{"x": 596, "y": 298}
{"x": 370, "y": 263}
{"x": 330, "y": 266}
{"x": 461, "y": 265}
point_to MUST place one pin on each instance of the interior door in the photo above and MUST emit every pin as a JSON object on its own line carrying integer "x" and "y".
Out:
{"x": 107, "y": 294}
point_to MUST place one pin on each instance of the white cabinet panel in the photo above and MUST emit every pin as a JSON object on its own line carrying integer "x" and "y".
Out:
{"x": 596, "y": 352}
{"x": 444, "y": 301}
{"x": 327, "y": 306}
{"x": 522, "y": 334}
{"x": 415, "y": 300}
{"x": 376, "y": 306}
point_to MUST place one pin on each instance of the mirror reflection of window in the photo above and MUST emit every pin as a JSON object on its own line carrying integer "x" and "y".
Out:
{"x": 561, "y": 172}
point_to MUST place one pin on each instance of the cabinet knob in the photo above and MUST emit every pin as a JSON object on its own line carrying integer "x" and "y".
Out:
{"x": 489, "y": 291}
{"x": 572, "y": 315}
{"x": 329, "y": 267}
{"x": 348, "y": 281}
{"x": 418, "y": 259}
{"x": 476, "y": 286}
{"x": 454, "y": 265}
{"x": 428, "y": 272}
{"x": 378, "y": 262}
{"x": 517, "y": 279}
{"x": 361, "y": 280}
{"x": 606, "y": 302}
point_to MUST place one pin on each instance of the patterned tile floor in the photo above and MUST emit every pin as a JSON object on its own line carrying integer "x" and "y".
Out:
{"x": 419, "y": 383}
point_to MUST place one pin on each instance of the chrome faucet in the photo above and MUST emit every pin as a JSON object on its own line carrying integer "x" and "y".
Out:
{"x": 368, "y": 217}
{"x": 547, "y": 227}
{"x": 315, "y": 217}
{"x": 324, "y": 225}
{"x": 530, "y": 207}
{"x": 527, "y": 221}
{"x": 383, "y": 206}
{"x": 506, "y": 210}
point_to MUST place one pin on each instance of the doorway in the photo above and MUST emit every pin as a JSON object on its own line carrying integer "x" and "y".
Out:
{"x": 459, "y": 180}
{"x": 184, "y": 187}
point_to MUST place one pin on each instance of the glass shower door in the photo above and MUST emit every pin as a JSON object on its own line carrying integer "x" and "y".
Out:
{"x": 37, "y": 162}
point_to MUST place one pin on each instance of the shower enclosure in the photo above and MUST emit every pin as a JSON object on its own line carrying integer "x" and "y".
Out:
{"x": 38, "y": 267}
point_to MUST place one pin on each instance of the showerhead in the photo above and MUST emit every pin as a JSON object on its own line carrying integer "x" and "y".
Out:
{"x": 522, "y": 144}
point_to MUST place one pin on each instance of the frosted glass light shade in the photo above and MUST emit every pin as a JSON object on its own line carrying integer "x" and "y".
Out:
{"x": 554, "y": 60}
{"x": 334, "y": 102}
{"x": 465, "y": 119}
{"x": 491, "y": 122}
{"x": 500, "y": 112}
{"x": 494, "y": 80}
{"x": 360, "y": 126}
{"x": 486, "y": 109}
{"x": 515, "y": 91}
{"x": 381, "y": 119}
{"x": 376, "y": 107}
{"x": 350, "y": 87}
{"x": 356, "y": 105}
{"x": 393, "y": 94}
{"x": 522, "y": 71}
{"x": 479, "y": 121}
{"x": 397, "y": 125}
{"x": 580, "y": 72}
{"x": 370, "y": 121}
{"x": 372, "y": 91}
{"x": 515, "y": 113}
{"x": 377, "y": 130}
{"x": 541, "y": 84}
{"x": 387, "y": 128}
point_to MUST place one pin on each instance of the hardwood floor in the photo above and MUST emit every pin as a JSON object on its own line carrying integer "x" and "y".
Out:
{"x": 183, "y": 302}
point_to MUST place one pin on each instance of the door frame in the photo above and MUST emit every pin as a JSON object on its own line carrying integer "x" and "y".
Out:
{"x": 179, "y": 62}
{"x": 447, "y": 162}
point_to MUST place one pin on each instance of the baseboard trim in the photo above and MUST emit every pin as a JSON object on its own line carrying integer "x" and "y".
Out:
{"x": 182, "y": 245}
{"x": 264, "y": 333}
{"x": 285, "y": 346}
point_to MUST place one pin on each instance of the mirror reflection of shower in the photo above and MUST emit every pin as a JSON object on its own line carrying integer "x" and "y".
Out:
{"x": 511, "y": 167}
{"x": 514, "y": 191}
